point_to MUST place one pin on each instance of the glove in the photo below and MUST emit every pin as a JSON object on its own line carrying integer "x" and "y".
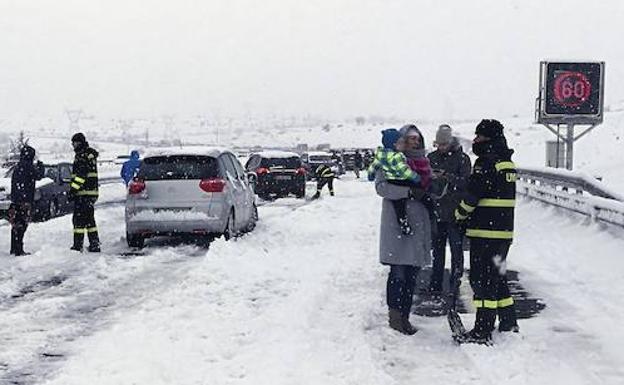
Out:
{"x": 459, "y": 217}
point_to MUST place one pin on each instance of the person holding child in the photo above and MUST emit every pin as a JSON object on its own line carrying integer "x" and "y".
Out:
{"x": 405, "y": 249}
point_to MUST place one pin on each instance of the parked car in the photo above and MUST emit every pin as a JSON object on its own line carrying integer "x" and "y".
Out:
{"x": 204, "y": 193}
{"x": 311, "y": 160}
{"x": 348, "y": 160}
{"x": 50, "y": 192}
{"x": 277, "y": 174}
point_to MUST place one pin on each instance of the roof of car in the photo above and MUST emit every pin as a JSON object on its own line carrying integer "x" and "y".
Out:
{"x": 277, "y": 154}
{"x": 318, "y": 153}
{"x": 190, "y": 150}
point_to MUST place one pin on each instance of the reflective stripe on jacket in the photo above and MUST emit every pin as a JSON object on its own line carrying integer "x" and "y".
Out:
{"x": 490, "y": 199}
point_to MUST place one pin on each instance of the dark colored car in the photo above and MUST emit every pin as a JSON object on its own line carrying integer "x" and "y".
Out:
{"x": 277, "y": 174}
{"x": 50, "y": 193}
{"x": 311, "y": 160}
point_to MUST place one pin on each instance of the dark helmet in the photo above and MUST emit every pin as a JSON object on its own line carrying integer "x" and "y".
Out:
{"x": 79, "y": 138}
{"x": 490, "y": 128}
{"x": 27, "y": 153}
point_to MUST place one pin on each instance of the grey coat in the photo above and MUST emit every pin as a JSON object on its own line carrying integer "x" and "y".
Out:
{"x": 395, "y": 248}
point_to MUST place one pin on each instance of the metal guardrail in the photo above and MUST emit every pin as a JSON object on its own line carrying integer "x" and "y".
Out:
{"x": 573, "y": 191}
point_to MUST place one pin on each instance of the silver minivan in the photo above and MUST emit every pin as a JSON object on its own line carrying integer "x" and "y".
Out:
{"x": 202, "y": 192}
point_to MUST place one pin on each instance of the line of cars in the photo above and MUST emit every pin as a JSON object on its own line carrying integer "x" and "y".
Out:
{"x": 207, "y": 193}
{"x": 203, "y": 193}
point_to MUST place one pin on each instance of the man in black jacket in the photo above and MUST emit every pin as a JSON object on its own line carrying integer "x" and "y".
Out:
{"x": 451, "y": 170}
{"x": 23, "y": 181}
{"x": 488, "y": 210}
{"x": 84, "y": 192}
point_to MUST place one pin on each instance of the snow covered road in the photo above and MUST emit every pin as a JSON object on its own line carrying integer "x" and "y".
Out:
{"x": 299, "y": 300}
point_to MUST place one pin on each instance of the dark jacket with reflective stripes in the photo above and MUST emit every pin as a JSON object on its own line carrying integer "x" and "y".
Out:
{"x": 324, "y": 171}
{"x": 490, "y": 199}
{"x": 84, "y": 172}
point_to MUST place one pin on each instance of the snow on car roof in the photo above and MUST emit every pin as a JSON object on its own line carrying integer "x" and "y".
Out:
{"x": 194, "y": 151}
{"x": 277, "y": 154}
{"x": 318, "y": 153}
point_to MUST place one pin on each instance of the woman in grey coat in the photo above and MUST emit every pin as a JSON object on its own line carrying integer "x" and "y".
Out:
{"x": 405, "y": 254}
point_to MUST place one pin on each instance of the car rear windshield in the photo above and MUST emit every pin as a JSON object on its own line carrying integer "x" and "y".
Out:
{"x": 320, "y": 158}
{"x": 294, "y": 162}
{"x": 178, "y": 167}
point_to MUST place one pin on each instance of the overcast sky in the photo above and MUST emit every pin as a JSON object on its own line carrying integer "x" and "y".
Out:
{"x": 337, "y": 58}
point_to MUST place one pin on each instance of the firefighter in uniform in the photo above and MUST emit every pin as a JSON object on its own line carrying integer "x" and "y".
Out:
{"x": 84, "y": 192}
{"x": 324, "y": 176}
{"x": 487, "y": 211}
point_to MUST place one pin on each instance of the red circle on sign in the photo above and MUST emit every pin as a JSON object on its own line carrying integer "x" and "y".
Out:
{"x": 571, "y": 88}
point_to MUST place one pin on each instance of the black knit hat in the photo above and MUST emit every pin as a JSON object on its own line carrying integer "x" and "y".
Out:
{"x": 79, "y": 137}
{"x": 490, "y": 128}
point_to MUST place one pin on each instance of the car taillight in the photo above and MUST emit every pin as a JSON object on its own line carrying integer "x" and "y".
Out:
{"x": 301, "y": 171}
{"x": 262, "y": 170}
{"x": 136, "y": 187}
{"x": 212, "y": 185}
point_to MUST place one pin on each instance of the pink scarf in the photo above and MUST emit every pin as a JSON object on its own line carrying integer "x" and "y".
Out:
{"x": 422, "y": 167}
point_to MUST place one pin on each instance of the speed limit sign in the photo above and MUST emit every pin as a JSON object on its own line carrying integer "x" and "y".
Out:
{"x": 571, "y": 92}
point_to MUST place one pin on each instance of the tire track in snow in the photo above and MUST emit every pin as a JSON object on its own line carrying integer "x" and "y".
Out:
{"x": 54, "y": 297}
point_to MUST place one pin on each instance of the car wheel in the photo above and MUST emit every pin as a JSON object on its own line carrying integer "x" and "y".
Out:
{"x": 229, "y": 231}
{"x": 253, "y": 219}
{"x": 135, "y": 240}
{"x": 52, "y": 209}
{"x": 301, "y": 192}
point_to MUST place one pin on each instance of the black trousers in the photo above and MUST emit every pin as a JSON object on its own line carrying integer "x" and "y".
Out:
{"x": 488, "y": 279}
{"x": 447, "y": 231}
{"x": 400, "y": 287}
{"x": 19, "y": 216}
{"x": 84, "y": 221}
{"x": 321, "y": 182}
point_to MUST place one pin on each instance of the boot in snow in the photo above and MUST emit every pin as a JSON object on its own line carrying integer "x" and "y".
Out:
{"x": 400, "y": 323}
{"x": 482, "y": 331}
{"x": 474, "y": 337}
{"x": 507, "y": 319}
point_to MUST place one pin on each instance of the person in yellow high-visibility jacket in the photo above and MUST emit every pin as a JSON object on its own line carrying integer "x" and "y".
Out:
{"x": 84, "y": 193}
{"x": 487, "y": 213}
{"x": 324, "y": 176}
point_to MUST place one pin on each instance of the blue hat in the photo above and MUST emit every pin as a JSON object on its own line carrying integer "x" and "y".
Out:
{"x": 389, "y": 137}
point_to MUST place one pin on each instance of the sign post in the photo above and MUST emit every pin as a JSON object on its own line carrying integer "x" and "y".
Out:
{"x": 570, "y": 94}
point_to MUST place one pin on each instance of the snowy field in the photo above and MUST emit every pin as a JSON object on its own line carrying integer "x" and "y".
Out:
{"x": 299, "y": 300}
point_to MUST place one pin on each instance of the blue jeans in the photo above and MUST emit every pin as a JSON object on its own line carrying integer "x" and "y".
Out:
{"x": 447, "y": 231}
{"x": 400, "y": 287}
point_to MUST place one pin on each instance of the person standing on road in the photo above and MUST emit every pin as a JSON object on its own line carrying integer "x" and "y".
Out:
{"x": 23, "y": 179}
{"x": 130, "y": 167}
{"x": 358, "y": 163}
{"x": 84, "y": 192}
{"x": 324, "y": 176}
{"x": 488, "y": 213}
{"x": 404, "y": 254}
{"x": 451, "y": 170}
